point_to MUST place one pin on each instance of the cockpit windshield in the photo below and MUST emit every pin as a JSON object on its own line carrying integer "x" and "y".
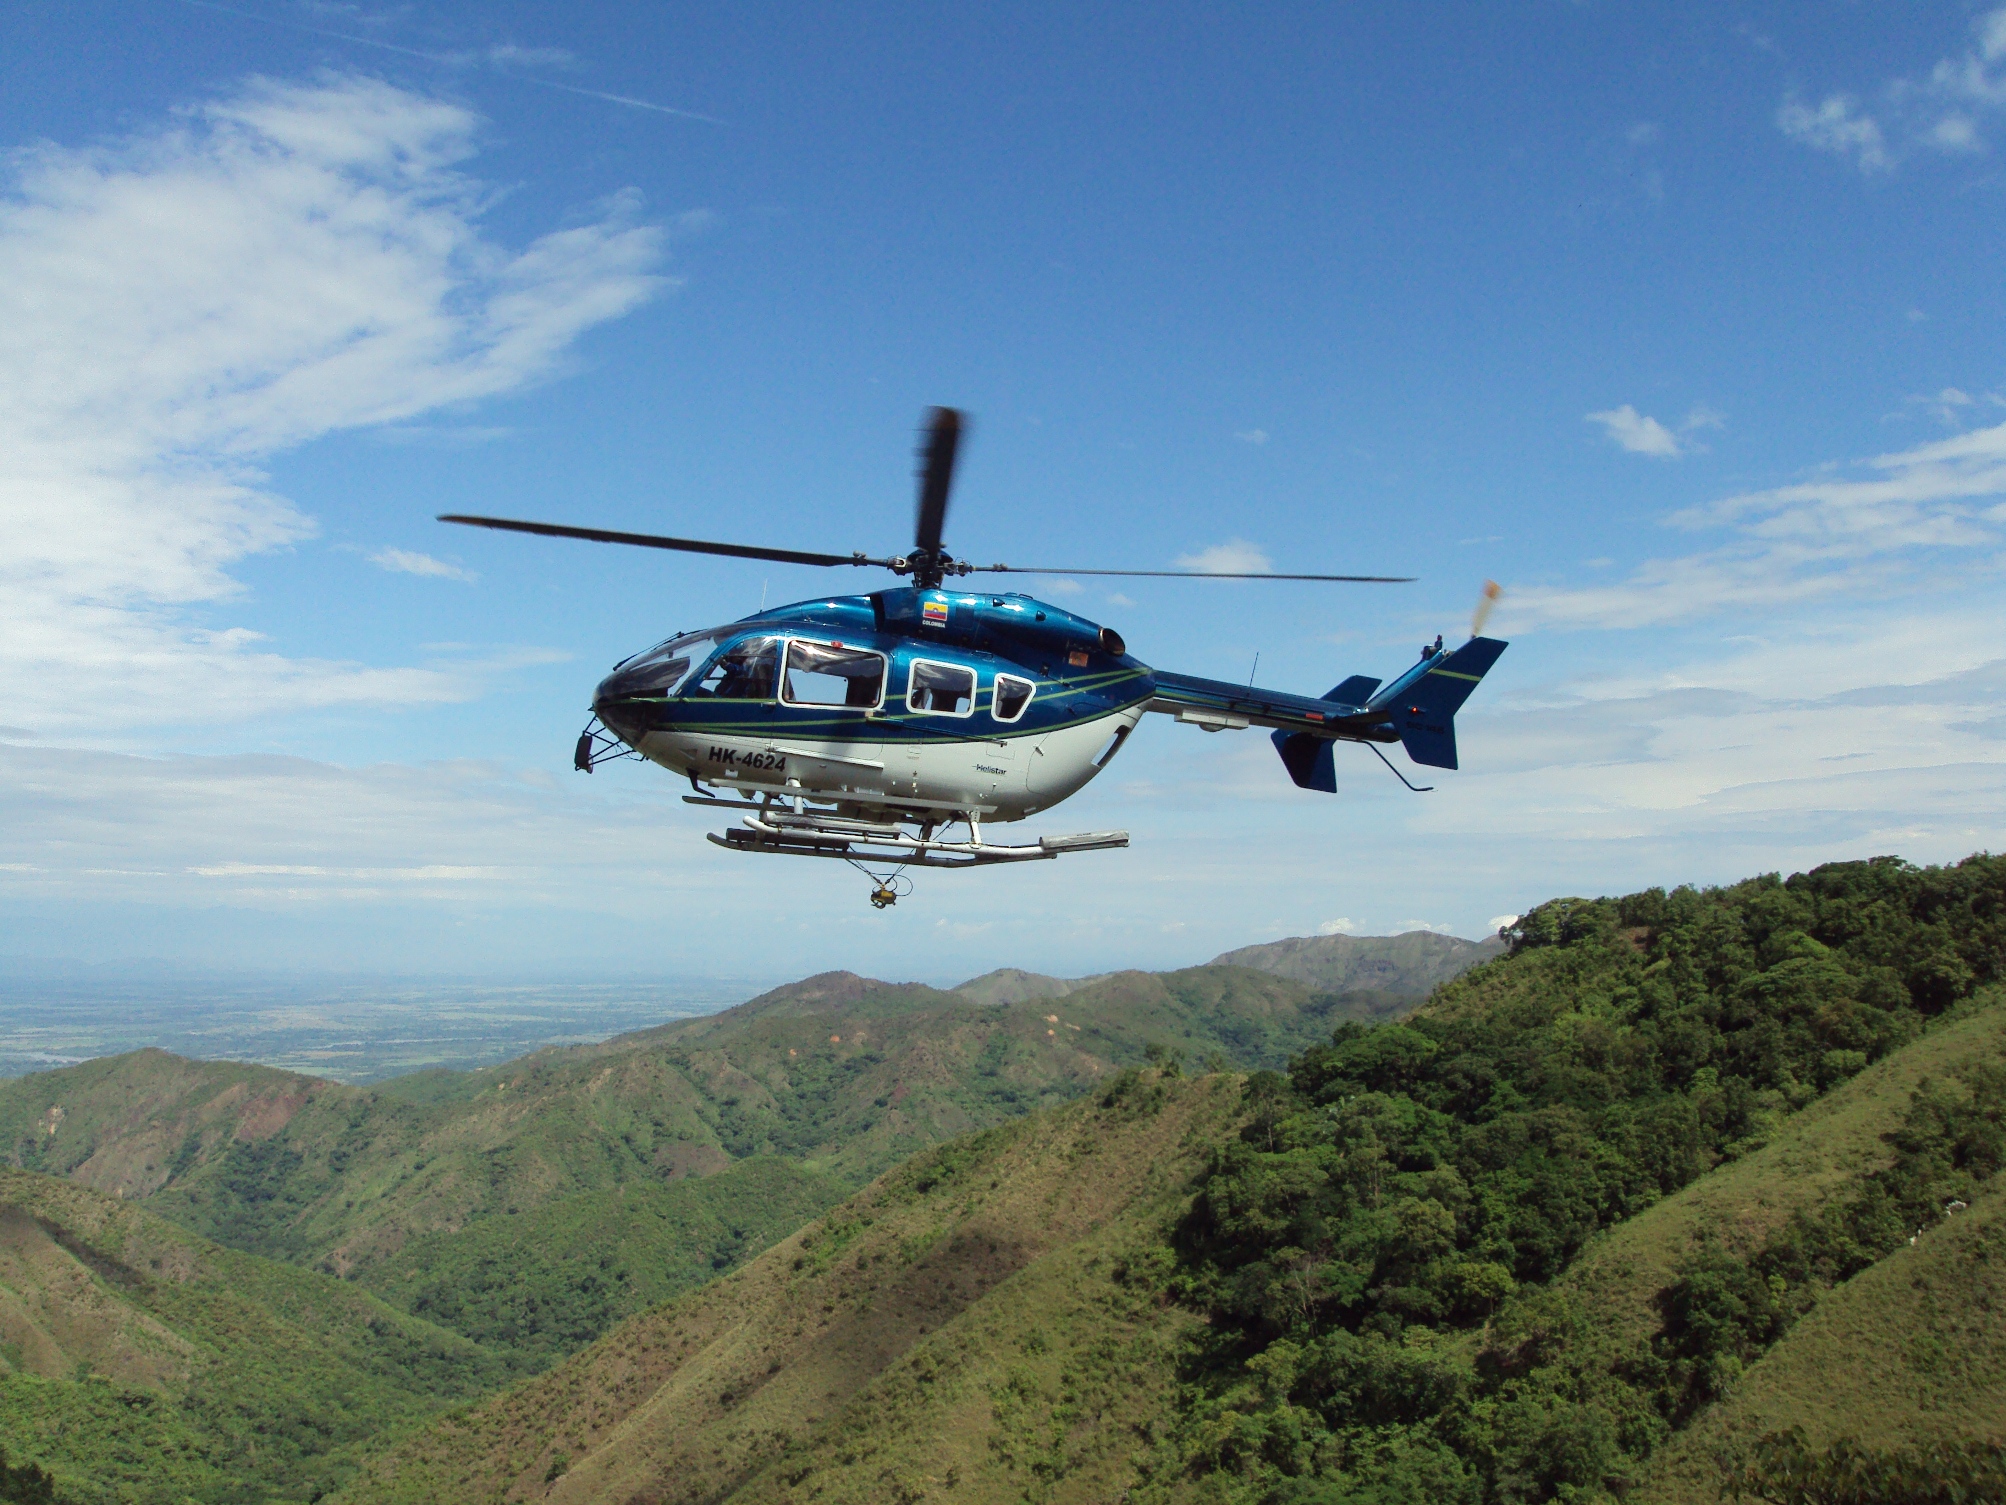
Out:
{"x": 664, "y": 667}
{"x": 744, "y": 673}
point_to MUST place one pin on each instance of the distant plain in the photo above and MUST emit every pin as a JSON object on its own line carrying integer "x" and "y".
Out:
{"x": 352, "y": 1031}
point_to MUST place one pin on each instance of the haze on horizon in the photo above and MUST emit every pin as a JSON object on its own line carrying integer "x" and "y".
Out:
{"x": 1681, "y": 322}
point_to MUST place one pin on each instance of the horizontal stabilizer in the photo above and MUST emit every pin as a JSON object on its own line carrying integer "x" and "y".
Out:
{"x": 1423, "y": 702}
{"x": 1354, "y": 691}
{"x": 1308, "y": 759}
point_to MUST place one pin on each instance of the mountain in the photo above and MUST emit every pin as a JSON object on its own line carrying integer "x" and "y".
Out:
{"x": 139, "y": 1363}
{"x": 532, "y": 1205}
{"x": 1400, "y": 969}
{"x": 1409, "y": 966}
{"x": 952, "y": 1328}
{"x": 1014, "y": 985}
{"x": 1681, "y": 1172}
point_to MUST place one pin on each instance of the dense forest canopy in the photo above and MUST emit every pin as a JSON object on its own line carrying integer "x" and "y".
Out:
{"x": 1375, "y": 1252}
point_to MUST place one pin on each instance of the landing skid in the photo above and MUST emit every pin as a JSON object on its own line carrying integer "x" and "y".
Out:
{"x": 776, "y": 827}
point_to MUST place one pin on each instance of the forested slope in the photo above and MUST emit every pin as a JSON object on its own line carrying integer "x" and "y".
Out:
{"x": 143, "y": 1364}
{"x": 1383, "y": 1255}
{"x": 968, "y": 1327}
{"x": 532, "y": 1205}
{"x": 1585, "y": 1227}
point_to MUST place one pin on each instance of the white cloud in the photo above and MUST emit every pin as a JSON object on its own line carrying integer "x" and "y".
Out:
{"x": 409, "y": 562}
{"x": 1956, "y": 133}
{"x": 1501, "y": 921}
{"x": 1837, "y": 126}
{"x": 1338, "y": 927}
{"x": 1922, "y": 518}
{"x": 1234, "y": 557}
{"x": 280, "y": 263}
{"x": 1952, "y": 406}
{"x": 1256, "y": 437}
{"x": 1118, "y": 599}
{"x": 1873, "y": 732}
{"x": 509, "y": 55}
{"x": 1638, "y": 434}
{"x": 1940, "y": 112}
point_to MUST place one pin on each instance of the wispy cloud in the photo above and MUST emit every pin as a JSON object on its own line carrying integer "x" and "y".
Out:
{"x": 1642, "y": 435}
{"x": 1835, "y": 124}
{"x": 1876, "y": 524}
{"x": 1952, "y": 406}
{"x": 1234, "y": 557}
{"x": 283, "y": 262}
{"x": 1255, "y": 437}
{"x": 506, "y": 58}
{"x": 1941, "y": 111}
{"x": 409, "y": 562}
{"x": 1638, "y": 434}
{"x": 1339, "y": 926}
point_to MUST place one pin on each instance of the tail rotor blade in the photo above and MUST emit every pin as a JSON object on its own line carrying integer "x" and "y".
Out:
{"x": 1485, "y": 602}
{"x": 936, "y": 476}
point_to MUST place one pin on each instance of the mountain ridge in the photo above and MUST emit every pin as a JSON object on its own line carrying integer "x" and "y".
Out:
{"x": 717, "y": 1134}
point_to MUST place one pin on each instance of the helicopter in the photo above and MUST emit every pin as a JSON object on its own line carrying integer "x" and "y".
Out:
{"x": 893, "y": 729}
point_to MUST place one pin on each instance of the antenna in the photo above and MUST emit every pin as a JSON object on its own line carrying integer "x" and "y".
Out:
{"x": 1255, "y": 670}
{"x": 762, "y": 595}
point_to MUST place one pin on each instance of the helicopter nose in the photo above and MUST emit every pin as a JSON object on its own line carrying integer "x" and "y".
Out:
{"x": 617, "y": 710}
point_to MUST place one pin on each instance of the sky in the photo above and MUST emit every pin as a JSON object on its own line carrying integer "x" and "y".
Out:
{"x": 1682, "y": 322}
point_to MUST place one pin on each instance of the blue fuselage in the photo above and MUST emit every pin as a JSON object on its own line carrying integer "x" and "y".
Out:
{"x": 953, "y": 699}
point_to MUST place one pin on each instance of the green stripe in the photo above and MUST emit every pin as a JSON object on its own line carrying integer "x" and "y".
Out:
{"x": 1457, "y": 674}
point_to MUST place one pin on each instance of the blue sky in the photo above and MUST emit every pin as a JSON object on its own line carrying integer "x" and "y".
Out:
{"x": 1682, "y": 322}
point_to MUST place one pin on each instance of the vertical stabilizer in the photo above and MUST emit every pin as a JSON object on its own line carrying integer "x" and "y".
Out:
{"x": 1422, "y": 703}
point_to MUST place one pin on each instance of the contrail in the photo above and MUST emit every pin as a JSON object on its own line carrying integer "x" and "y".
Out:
{"x": 451, "y": 60}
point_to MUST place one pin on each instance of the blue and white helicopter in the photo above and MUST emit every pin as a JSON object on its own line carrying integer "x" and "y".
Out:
{"x": 890, "y": 730}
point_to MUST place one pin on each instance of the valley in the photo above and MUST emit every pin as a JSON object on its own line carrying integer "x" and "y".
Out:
{"x": 1589, "y": 1216}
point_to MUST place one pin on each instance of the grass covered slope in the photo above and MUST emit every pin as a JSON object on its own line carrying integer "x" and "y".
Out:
{"x": 139, "y": 1363}
{"x": 1411, "y": 965}
{"x": 1909, "y": 1352}
{"x": 973, "y": 1322}
{"x": 633, "y": 1168}
{"x": 1383, "y": 1257}
{"x": 1534, "y": 1243}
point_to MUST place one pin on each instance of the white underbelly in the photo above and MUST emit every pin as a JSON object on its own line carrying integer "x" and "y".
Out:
{"x": 1008, "y": 778}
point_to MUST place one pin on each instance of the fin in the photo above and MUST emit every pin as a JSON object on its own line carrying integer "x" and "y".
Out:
{"x": 1308, "y": 760}
{"x": 1354, "y": 691}
{"x": 1424, "y": 701}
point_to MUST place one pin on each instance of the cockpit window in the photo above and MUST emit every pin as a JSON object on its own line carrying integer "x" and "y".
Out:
{"x": 744, "y": 673}
{"x": 832, "y": 674}
{"x": 664, "y": 667}
{"x": 940, "y": 689}
{"x": 1011, "y": 696}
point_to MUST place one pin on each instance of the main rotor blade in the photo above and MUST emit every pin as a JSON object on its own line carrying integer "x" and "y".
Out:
{"x": 1016, "y": 569}
{"x": 936, "y": 475}
{"x": 657, "y": 541}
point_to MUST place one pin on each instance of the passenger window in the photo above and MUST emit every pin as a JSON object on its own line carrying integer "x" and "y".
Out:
{"x": 941, "y": 689}
{"x": 831, "y": 674}
{"x": 1011, "y": 696}
{"x": 744, "y": 673}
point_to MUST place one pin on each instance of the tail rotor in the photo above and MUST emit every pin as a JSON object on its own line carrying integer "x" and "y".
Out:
{"x": 1486, "y": 603}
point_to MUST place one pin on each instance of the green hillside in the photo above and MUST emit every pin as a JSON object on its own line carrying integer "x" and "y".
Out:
{"x": 973, "y": 1326}
{"x": 139, "y": 1363}
{"x": 1590, "y": 1225}
{"x": 631, "y": 1169}
{"x": 1412, "y": 965}
{"x": 1388, "y": 1258}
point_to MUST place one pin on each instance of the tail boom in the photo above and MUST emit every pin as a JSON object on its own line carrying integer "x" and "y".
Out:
{"x": 1418, "y": 710}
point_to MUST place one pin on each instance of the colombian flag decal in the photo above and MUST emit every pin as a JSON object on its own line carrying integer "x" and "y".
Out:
{"x": 933, "y": 613}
